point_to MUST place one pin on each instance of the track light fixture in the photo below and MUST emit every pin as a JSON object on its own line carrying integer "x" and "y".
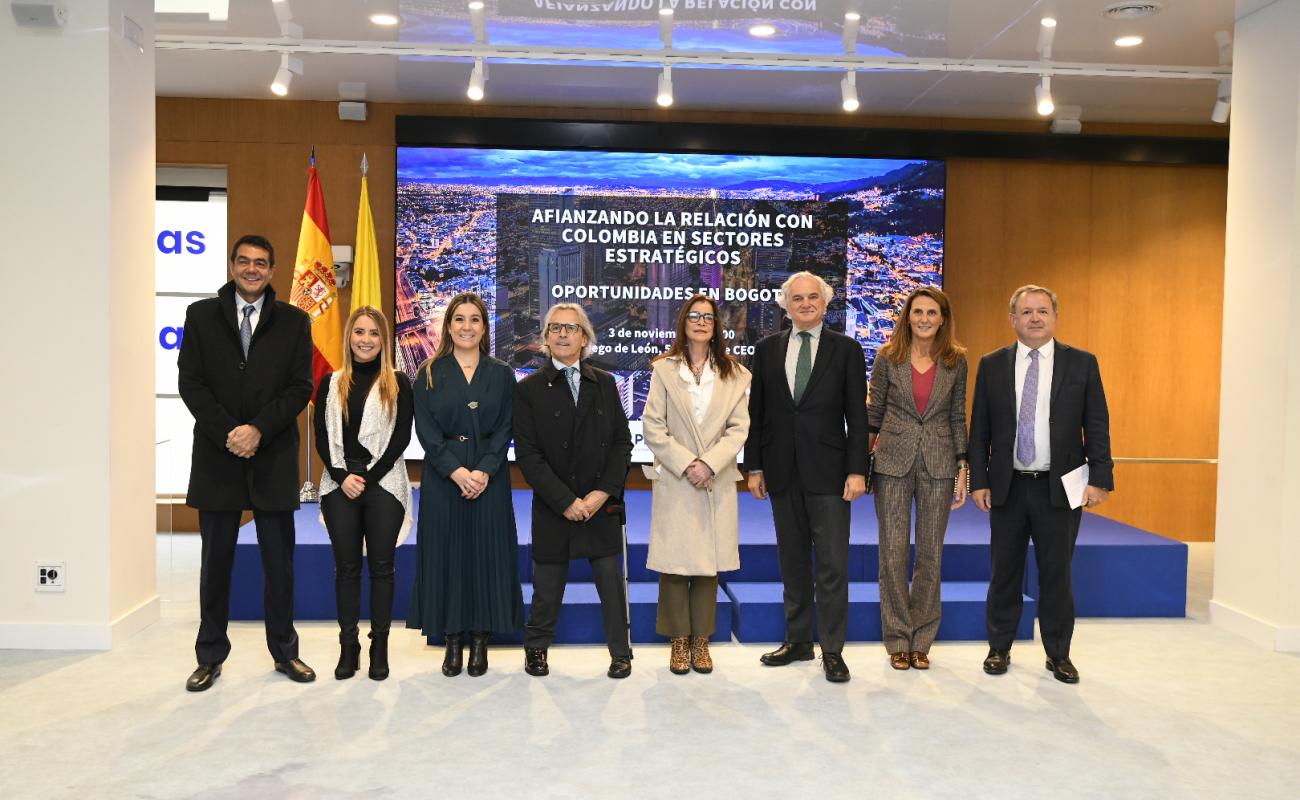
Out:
{"x": 478, "y": 21}
{"x": 477, "y": 78}
{"x": 1223, "y": 103}
{"x": 284, "y": 16}
{"x": 289, "y": 66}
{"x": 1043, "y": 97}
{"x": 1046, "y": 32}
{"x": 850, "y": 32}
{"x": 849, "y": 91}
{"x": 665, "y": 96}
{"x": 666, "y": 27}
{"x": 1224, "y": 40}
{"x": 1067, "y": 120}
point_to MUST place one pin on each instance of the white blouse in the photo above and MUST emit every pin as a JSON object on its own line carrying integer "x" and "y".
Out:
{"x": 702, "y": 393}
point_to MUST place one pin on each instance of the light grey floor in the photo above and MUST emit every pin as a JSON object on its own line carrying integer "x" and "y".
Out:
{"x": 1166, "y": 709}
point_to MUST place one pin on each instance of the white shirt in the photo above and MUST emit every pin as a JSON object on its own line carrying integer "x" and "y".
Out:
{"x": 1042, "y": 408}
{"x": 702, "y": 394}
{"x": 240, "y": 302}
{"x": 792, "y": 352}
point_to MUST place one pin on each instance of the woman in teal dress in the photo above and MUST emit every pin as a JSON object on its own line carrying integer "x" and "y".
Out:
{"x": 467, "y": 564}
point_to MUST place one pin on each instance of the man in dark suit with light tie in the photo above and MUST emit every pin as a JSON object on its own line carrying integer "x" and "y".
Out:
{"x": 807, "y": 446}
{"x": 1039, "y": 413}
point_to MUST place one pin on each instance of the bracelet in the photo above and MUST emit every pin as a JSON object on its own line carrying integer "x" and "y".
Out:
{"x": 956, "y": 482}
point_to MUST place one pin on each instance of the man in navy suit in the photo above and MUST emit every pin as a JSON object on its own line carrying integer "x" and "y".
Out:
{"x": 807, "y": 446}
{"x": 1039, "y": 413}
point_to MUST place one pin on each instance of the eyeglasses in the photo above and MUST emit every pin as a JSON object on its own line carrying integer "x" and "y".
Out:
{"x": 699, "y": 316}
{"x": 567, "y": 327}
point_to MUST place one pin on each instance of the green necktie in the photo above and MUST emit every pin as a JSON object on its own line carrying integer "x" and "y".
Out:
{"x": 803, "y": 367}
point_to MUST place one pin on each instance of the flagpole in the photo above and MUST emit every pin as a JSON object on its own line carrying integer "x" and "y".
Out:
{"x": 309, "y": 493}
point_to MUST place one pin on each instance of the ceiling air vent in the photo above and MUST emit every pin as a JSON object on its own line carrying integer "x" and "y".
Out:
{"x": 1132, "y": 9}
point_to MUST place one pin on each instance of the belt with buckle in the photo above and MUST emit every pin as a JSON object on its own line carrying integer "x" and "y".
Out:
{"x": 461, "y": 438}
{"x": 1032, "y": 475}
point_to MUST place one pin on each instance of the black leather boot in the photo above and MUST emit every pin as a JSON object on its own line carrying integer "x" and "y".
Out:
{"x": 378, "y": 655}
{"x": 349, "y": 658}
{"x": 455, "y": 657}
{"x": 478, "y": 663}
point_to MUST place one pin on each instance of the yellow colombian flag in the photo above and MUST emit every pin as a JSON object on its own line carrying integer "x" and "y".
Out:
{"x": 314, "y": 288}
{"x": 365, "y": 266}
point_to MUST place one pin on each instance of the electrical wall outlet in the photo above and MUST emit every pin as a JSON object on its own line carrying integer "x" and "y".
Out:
{"x": 51, "y": 576}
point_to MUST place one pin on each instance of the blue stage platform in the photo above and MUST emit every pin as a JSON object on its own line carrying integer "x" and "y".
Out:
{"x": 1119, "y": 571}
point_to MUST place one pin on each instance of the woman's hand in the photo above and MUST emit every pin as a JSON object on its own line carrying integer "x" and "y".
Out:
{"x": 470, "y": 487}
{"x": 699, "y": 474}
{"x": 959, "y": 488}
{"x": 353, "y": 486}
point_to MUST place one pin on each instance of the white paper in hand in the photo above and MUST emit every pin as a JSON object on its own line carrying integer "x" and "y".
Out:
{"x": 1075, "y": 481}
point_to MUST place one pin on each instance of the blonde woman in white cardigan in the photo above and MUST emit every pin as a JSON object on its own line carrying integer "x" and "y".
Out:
{"x": 695, "y": 421}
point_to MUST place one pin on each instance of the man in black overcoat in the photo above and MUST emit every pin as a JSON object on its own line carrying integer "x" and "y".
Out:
{"x": 807, "y": 448}
{"x": 573, "y": 446}
{"x": 245, "y": 374}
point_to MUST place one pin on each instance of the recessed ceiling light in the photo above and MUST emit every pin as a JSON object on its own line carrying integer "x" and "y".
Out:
{"x": 384, "y": 19}
{"x": 762, "y": 30}
{"x": 1048, "y": 22}
{"x": 1128, "y": 41}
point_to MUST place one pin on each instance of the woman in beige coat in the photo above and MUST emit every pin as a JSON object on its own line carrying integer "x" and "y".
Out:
{"x": 695, "y": 421}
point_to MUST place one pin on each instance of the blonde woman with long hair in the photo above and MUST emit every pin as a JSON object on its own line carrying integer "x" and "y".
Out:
{"x": 363, "y": 424}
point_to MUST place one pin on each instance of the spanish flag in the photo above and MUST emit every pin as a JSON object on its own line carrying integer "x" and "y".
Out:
{"x": 314, "y": 289}
{"x": 365, "y": 268}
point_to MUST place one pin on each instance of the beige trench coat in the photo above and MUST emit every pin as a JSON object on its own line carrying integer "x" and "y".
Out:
{"x": 693, "y": 531}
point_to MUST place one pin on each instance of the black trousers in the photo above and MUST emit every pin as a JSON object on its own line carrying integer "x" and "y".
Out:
{"x": 375, "y": 518}
{"x": 812, "y": 532}
{"x": 549, "y": 580}
{"x": 275, "y": 539}
{"x": 1028, "y": 515}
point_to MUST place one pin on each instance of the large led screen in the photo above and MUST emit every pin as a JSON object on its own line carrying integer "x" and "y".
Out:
{"x": 631, "y": 235}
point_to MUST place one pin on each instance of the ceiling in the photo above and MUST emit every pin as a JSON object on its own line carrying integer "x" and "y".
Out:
{"x": 530, "y": 38}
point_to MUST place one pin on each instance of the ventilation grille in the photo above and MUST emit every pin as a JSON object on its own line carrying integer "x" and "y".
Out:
{"x": 1132, "y": 10}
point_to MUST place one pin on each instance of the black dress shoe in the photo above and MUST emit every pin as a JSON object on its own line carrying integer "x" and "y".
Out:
{"x": 478, "y": 662}
{"x": 997, "y": 661}
{"x": 835, "y": 668}
{"x": 296, "y": 670}
{"x": 202, "y": 678}
{"x": 1063, "y": 669}
{"x": 454, "y": 659}
{"x": 535, "y": 663}
{"x": 349, "y": 661}
{"x": 620, "y": 667}
{"x": 788, "y": 653}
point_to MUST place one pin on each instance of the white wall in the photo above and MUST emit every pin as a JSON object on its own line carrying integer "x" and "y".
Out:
{"x": 1257, "y": 550}
{"x": 77, "y": 218}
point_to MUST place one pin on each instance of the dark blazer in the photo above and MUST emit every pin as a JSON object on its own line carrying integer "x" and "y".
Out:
{"x": 824, "y": 438}
{"x": 938, "y": 435}
{"x": 565, "y": 452}
{"x": 223, "y": 391}
{"x": 1078, "y": 425}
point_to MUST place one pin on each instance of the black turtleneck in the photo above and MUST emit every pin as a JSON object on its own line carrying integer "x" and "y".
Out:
{"x": 363, "y": 378}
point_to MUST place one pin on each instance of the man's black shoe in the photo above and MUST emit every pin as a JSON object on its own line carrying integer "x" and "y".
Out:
{"x": 997, "y": 662}
{"x": 296, "y": 670}
{"x": 788, "y": 653}
{"x": 535, "y": 663}
{"x": 1063, "y": 670}
{"x": 202, "y": 678}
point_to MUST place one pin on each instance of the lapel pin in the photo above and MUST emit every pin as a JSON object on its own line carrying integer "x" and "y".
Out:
{"x": 473, "y": 404}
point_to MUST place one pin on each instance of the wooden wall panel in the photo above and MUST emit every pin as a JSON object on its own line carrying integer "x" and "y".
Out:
{"x": 1135, "y": 252}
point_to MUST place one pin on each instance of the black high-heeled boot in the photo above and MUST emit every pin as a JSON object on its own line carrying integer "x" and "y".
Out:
{"x": 349, "y": 658}
{"x": 378, "y": 655}
{"x": 478, "y": 662}
{"x": 455, "y": 657}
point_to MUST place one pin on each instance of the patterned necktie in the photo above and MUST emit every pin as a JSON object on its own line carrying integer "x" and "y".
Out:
{"x": 246, "y": 328}
{"x": 1025, "y": 450}
{"x": 571, "y": 378}
{"x": 803, "y": 366}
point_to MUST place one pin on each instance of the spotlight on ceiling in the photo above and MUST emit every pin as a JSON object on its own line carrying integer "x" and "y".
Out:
{"x": 1043, "y": 97}
{"x": 1046, "y": 32}
{"x": 478, "y": 21}
{"x": 289, "y": 66}
{"x": 666, "y": 27}
{"x": 849, "y": 91}
{"x": 849, "y": 32}
{"x": 384, "y": 12}
{"x": 665, "y": 95}
{"x": 1128, "y": 41}
{"x": 1222, "y": 103}
{"x": 477, "y": 78}
{"x": 762, "y": 30}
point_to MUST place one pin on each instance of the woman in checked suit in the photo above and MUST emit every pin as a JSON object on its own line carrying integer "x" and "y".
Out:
{"x": 916, "y": 416}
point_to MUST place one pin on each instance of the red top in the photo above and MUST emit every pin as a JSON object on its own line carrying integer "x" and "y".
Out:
{"x": 922, "y": 384}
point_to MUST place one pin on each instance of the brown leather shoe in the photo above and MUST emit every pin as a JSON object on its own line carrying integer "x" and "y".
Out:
{"x": 701, "y": 661}
{"x": 899, "y": 660}
{"x": 679, "y": 658}
{"x": 920, "y": 660}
